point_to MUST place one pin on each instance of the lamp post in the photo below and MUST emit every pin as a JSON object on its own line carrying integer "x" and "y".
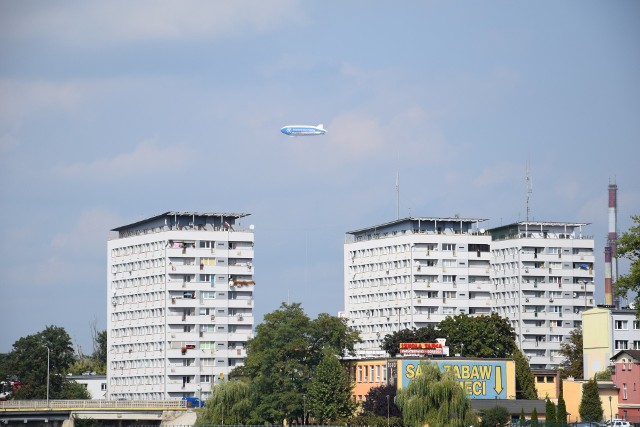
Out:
{"x": 304, "y": 409}
{"x": 610, "y": 410}
{"x": 387, "y": 410}
{"x": 48, "y": 369}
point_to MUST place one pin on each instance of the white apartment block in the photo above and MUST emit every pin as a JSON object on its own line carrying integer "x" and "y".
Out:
{"x": 542, "y": 281}
{"x": 414, "y": 272}
{"x": 180, "y": 304}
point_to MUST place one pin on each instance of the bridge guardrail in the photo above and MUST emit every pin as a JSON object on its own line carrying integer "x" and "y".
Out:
{"x": 91, "y": 404}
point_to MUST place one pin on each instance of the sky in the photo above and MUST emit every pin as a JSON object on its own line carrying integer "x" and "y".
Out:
{"x": 115, "y": 111}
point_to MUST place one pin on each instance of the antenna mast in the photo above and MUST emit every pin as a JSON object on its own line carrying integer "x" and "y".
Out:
{"x": 529, "y": 190}
{"x": 398, "y": 195}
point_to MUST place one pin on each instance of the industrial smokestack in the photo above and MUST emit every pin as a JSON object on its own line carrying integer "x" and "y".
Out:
{"x": 610, "y": 260}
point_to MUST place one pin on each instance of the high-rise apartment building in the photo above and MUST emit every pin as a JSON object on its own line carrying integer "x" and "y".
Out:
{"x": 414, "y": 272}
{"x": 180, "y": 304}
{"x": 542, "y": 281}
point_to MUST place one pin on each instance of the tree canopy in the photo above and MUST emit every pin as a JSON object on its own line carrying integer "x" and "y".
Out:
{"x": 590, "y": 406}
{"x": 380, "y": 400}
{"x": 229, "y": 403}
{"x": 483, "y": 336}
{"x": 525, "y": 381}
{"x": 28, "y": 361}
{"x": 572, "y": 364}
{"x": 498, "y": 415}
{"x": 283, "y": 356}
{"x": 435, "y": 398}
{"x": 629, "y": 247}
{"x": 329, "y": 395}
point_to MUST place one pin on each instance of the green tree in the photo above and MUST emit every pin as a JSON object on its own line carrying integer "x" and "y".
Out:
{"x": 534, "y": 418}
{"x": 572, "y": 365}
{"x": 381, "y": 399}
{"x": 525, "y": 381}
{"x": 629, "y": 247}
{"x": 74, "y": 391}
{"x": 498, "y": 415}
{"x": 391, "y": 342}
{"x": 482, "y": 336}
{"x": 329, "y": 396}
{"x": 435, "y": 398}
{"x": 282, "y": 357}
{"x": 522, "y": 418}
{"x": 561, "y": 411}
{"x": 331, "y": 332}
{"x": 590, "y": 406}
{"x": 549, "y": 413}
{"x": 230, "y": 403}
{"x": 28, "y": 361}
{"x": 100, "y": 351}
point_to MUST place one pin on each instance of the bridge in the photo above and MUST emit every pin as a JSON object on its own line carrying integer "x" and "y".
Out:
{"x": 120, "y": 413}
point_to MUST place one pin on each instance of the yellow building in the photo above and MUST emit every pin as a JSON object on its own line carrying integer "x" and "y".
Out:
{"x": 572, "y": 394}
{"x": 547, "y": 383}
{"x": 367, "y": 374}
{"x": 596, "y": 343}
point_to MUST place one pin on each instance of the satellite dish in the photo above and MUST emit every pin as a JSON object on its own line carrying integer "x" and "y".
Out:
{"x": 251, "y": 227}
{"x": 482, "y": 230}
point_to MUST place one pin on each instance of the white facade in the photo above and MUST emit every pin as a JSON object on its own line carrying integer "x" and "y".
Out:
{"x": 414, "y": 272}
{"x": 180, "y": 304}
{"x": 542, "y": 275}
{"x": 96, "y": 385}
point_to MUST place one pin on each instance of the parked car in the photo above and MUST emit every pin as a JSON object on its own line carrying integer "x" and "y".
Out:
{"x": 618, "y": 423}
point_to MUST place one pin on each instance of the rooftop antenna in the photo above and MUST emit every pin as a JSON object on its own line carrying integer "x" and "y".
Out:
{"x": 529, "y": 190}
{"x": 397, "y": 194}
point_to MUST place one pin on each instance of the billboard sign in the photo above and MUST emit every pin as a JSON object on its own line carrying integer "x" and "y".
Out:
{"x": 480, "y": 379}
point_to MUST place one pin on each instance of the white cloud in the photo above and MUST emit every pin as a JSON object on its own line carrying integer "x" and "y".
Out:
{"x": 122, "y": 21}
{"x": 145, "y": 160}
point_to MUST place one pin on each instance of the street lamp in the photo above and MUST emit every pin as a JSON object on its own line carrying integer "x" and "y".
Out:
{"x": 48, "y": 369}
{"x": 304, "y": 409}
{"x": 387, "y": 410}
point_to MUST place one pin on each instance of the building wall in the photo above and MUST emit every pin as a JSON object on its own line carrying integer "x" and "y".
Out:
{"x": 180, "y": 307}
{"x": 413, "y": 273}
{"x": 607, "y": 331}
{"x": 572, "y": 394}
{"x": 96, "y": 384}
{"x": 596, "y": 340}
{"x": 367, "y": 374}
{"x": 542, "y": 276}
{"x": 547, "y": 384}
{"x": 627, "y": 379}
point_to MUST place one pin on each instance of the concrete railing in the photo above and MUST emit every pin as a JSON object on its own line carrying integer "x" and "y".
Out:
{"x": 52, "y": 405}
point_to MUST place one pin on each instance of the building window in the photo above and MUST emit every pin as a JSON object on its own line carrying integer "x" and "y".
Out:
{"x": 636, "y": 345}
{"x": 624, "y": 391}
{"x": 636, "y": 324}
{"x": 621, "y": 344}
{"x": 103, "y": 386}
{"x": 622, "y": 325}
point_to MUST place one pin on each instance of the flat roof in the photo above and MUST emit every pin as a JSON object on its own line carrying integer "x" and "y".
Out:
{"x": 542, "y": 224}
{"x": 182, "y": 214}
{"x": 425, "y": 219}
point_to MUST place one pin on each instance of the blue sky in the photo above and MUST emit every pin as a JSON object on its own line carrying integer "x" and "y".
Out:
{"x": 115, "y": 111}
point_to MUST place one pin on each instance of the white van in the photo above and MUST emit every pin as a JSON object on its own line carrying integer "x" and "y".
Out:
{"x": 619, "y": 423}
